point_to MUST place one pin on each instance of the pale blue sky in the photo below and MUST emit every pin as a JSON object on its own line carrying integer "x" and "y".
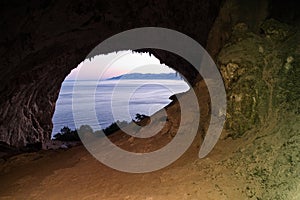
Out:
{"x": 115, "y": 64}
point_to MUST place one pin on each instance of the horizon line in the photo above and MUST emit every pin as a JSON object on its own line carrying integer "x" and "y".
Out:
{"x": 175, "y": 73}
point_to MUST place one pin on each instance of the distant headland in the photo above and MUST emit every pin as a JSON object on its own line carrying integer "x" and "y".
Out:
{"x": 139, "y": 76}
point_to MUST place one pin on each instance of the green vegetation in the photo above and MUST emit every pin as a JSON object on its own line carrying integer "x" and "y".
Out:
{"x": 141, "y": 119}
{"x": 66, "y": 134}
{"x": 114, "y": 127}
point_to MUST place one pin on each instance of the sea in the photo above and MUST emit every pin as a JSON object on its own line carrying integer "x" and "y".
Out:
{"x": 111, "y": 100}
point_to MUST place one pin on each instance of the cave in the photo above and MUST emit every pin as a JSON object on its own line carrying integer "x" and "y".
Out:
{"x": 255, "y": 45}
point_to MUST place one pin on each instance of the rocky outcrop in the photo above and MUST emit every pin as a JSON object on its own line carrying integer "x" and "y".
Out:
{"x": 260, "y": 67}
{"x": 261, "y": 74}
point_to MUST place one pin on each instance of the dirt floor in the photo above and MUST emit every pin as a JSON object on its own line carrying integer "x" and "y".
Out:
{"x": 262, "y": 165}
{"x": 75, "y": 174}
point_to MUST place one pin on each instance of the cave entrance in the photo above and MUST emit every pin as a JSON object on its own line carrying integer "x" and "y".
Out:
{"x": 143, "y": 86}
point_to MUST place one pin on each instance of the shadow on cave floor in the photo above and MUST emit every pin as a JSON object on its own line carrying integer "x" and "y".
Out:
{"x": 75, "y": 174}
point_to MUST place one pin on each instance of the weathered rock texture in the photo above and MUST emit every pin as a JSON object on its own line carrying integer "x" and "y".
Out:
{"x": 255, "y": 44}
{"x": 42, "y": 41}
{"x": 260, "y": 66}
{"x": 261, "y": 74}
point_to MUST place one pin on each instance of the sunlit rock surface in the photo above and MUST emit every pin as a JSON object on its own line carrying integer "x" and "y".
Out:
{"x": 261, "y": 74}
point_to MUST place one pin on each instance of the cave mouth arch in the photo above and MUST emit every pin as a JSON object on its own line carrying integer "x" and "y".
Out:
{"x": 154, "y": 83}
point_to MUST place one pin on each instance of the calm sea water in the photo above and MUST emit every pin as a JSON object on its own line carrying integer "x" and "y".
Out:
{"x": 125, "y": 97}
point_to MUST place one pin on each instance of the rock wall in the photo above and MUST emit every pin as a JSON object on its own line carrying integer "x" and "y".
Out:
{"x": 42, "y": 41}
{"x": 260, "y": 68}
{"x": 261, "y": 74}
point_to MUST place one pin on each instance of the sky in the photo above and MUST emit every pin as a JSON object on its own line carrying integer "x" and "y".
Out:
{"x": 114, "y": 64}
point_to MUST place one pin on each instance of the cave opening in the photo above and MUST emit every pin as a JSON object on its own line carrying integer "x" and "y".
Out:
{"x": 130, "y": 86}
{"x": 257, "y": 157}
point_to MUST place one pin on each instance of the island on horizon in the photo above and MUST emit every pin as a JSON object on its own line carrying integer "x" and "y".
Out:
{"x": 147, "y": 76}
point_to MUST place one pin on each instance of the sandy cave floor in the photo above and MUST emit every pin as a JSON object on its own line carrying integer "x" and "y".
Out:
{"x": 75, "y": 174}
